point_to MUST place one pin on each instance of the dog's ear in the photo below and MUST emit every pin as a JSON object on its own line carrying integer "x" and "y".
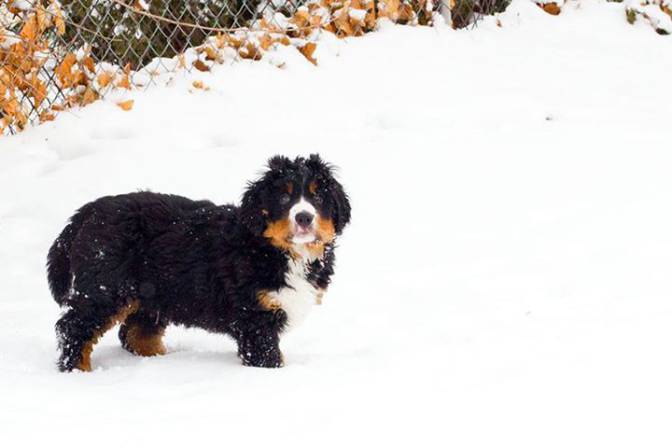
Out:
{"x": 251, "y": 212}
{"x": 316, "y": 164}
{"x": 278, "y": 163}
{"x": 339, "y": 196}
{"x": 341, "y": 205}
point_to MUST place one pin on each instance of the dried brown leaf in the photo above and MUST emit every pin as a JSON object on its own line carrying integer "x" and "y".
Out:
{"x": 104, "y": 79}
{"x": 43, "y": 20}
{"x": 38, "y": 90}
{"x": 551, "y": 8}
{"x": 126, "y": 105}
{"x": 58, "y": 18}
{"x": 265, "y": 41}
{"x": 89, "y": 64}
{"x": 124, "y": 82}
{"x": 201, "y": 66}
{"x": 29, "y": 29}
{"x": 89, "y": 96}
{"x": 308, "y": 50}
{"x": 389, "y": 9}
{"x": 64, "y": 70}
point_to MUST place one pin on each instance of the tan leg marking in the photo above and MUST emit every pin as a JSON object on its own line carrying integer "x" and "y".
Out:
{"x": 144, "y": 344}
{"x": 267, "y": 301}
{"x": 120, "y": 317}
{"x": 326, "y": 232}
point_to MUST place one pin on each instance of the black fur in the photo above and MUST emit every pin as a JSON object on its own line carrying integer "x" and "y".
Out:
{"x": 187, "y": 262}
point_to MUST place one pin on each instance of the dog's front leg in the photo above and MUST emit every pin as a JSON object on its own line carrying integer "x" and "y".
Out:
{"x": 259, "y": 347}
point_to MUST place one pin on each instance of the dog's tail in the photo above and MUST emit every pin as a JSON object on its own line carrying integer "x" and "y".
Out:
{"x": 58, "y": 260}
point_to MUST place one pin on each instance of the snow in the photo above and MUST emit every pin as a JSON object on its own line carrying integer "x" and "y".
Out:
{"x": 7, "y": 39}
{"x": 357, "y": 14}
{"x": 659, "y": 20}
{"x": 22, "y": 5}
{"x": 505, "y": 280}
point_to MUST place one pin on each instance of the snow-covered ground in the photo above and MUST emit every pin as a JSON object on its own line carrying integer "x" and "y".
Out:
{"x": 505, "y": 281}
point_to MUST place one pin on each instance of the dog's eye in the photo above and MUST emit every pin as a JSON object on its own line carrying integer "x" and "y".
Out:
{"x": 284, "y": 199}
{"x": 317, "y": 199}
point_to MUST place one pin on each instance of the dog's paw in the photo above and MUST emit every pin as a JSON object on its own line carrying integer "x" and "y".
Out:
{"x": 268, "y": 360}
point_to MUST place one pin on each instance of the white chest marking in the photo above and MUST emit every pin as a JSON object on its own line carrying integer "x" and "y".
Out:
{"x": 298, "y": 297}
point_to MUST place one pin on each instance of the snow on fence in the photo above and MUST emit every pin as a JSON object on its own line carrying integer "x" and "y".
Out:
{"x": 55, "y": 54}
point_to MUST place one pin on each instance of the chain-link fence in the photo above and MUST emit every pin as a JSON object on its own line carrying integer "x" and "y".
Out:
{"x": 56, "y": 54}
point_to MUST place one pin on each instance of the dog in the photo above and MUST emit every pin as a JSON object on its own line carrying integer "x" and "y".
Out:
{"x": 146, "y": 260}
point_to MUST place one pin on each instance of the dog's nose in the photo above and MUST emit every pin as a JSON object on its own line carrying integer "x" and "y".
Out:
{"x": 304, "y": 219}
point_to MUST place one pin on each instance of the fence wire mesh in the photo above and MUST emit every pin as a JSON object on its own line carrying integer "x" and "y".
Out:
{"x": 56, "y": 54}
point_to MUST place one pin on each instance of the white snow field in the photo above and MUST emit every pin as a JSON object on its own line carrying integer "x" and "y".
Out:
{"x": 505, "y": 281}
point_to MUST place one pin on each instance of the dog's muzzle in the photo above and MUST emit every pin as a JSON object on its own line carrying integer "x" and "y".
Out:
{"x": 302, "y": 219}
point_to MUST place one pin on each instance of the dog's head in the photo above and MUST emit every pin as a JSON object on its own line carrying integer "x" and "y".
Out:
{"x": 296, "y": 203}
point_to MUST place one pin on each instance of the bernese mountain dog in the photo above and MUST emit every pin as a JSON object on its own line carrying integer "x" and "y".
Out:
{"x": 146, "y": 260}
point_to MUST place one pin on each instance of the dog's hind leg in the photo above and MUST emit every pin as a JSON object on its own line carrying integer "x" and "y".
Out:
{"x": 142, "y": 333}
{"x": 79, "y": 329}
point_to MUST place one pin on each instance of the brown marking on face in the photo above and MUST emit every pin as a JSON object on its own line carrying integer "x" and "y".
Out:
{"x": 120, "y": 317}
{"x": 144, "y": 342}
{"x": 326, "y": 231}
{"x": 279, "y": 233}
{"x": 267, "y": 301}
{"x": 290, "y": 187}
{"x": 312, "y": 187}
